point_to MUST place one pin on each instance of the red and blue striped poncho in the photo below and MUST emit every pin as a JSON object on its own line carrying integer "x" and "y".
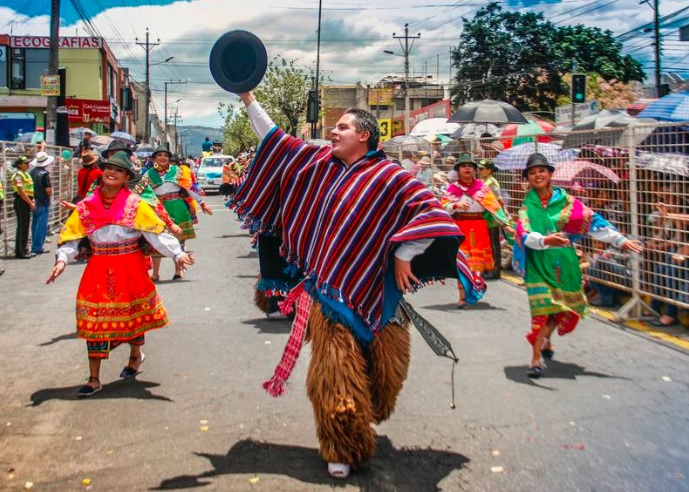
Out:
{"x": 340, "y": 224}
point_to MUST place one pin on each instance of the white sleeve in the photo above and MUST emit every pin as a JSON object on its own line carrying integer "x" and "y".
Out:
{"x": 535, "y": 240}
{"x": 67, "y": 251}
{"x": 410, "y": 249}
{"x": 195, "y": 196}
{"x": 164, "y": 243}
{"x": 610, "y": 236}
{"x": 261, "y": 123}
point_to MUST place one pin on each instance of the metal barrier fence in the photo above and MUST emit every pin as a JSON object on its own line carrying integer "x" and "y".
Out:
{"x": 63, "y": 179}
{"x": 637, "y": 177}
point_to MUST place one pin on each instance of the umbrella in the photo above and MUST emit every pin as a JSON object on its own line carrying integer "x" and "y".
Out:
{"x": 526, "y": 133}
{"x": 144, "y": 147}
{"x": 123, "y": 136}
{"x": 516, "y": 156}
{"x": 473, "y": 130}
{"x": 677, "y": 164}
{"x": 566, "y": 171}
{"x": 487, "y": 111}
{"x": 79, "y": 132}
{"x": 673, "y": 107}
{"x": 102, "y": 140}
{"x": 432, "y": 137}
{"x": 433, "y": 126}
{"x": 615, "y": 129}
{"x": 405, "y": 140}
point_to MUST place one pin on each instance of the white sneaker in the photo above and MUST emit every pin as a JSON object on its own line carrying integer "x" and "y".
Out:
{"x": 276, "y": 315}
{"x": 338, "y": 470}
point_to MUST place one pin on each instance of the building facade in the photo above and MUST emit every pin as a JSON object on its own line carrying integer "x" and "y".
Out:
{"x": 98, "y": 91}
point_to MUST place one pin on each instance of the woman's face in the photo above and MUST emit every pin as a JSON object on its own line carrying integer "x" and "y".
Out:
{"x": 466, "y": 171}
{"x": 539, "y": 178}
{"x": 114, "y": 176}
{"x": 163, "y": 159}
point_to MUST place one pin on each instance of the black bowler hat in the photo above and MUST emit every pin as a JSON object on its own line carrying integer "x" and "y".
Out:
{"x": 238, "y": 61}
{"x": 537, "y": 160}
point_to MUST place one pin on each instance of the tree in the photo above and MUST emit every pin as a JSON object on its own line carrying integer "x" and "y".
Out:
{"x": 521, "y": 58}
{"x": 610, "y": 94}
{"x": 283, "y": 94}
{"x": 237, "y": 133}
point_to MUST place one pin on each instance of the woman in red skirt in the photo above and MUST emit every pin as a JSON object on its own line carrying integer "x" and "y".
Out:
{"x": 116, "y": 302}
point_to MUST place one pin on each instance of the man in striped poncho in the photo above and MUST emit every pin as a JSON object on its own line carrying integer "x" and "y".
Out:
{"x": 363, "y": 231}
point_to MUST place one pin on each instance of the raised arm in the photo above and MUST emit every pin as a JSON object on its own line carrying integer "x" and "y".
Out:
{"x": 260, "y": 122}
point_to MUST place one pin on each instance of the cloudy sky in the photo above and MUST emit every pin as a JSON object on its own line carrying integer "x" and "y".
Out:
{"x": 355, "y": 33}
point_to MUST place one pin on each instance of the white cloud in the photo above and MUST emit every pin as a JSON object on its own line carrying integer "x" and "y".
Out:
{"x": 352, "y": 42}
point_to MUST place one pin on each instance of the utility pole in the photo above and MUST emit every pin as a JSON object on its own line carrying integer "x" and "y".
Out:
{"x": 51, "y": 107}
{"x": 656, "y": 36}
{"x": 168, "y": 82}
{"x": 147, "y": 46}
{"x": 314, "y": 125}
{"x": 406, "y": 49}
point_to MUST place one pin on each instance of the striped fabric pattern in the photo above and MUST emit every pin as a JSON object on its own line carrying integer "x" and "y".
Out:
{"x": 339, "y": 224}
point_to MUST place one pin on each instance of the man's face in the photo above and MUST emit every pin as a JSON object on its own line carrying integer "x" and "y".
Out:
{"x": 348, "y": 143}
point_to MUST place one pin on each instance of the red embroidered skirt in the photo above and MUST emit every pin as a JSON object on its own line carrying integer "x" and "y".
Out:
{"x": 476, "y": 245}
{"x": 116, "y": 299}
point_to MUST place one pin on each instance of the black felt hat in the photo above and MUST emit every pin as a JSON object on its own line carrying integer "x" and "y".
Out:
{"x": 537, "y": 160}
{"x": 238, "y": 61}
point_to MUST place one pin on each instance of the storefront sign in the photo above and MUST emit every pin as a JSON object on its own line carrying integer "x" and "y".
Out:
{"x": 44, "y": 42}
{"x": 385, "y": 129}
{"x": 88, "y": 111}
{"x": 379, "y": 97}
{"x": 50, "y": 85}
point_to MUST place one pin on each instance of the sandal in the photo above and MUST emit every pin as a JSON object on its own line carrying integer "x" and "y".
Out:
{"x": 535, "y": 371}
{"x": 547, "y": 351}
{"x": 130, "y": 372}
{"x": 88, "y": 390}
{"x": 155, "y": 278}
{"x": 462, "y": 305}
{"x": 338, "y": 470}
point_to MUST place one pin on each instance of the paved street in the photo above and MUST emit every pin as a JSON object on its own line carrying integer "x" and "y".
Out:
{"x": 611, "y": 415}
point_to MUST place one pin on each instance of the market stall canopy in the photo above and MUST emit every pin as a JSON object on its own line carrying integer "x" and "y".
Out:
{"x": 673, "y": 107}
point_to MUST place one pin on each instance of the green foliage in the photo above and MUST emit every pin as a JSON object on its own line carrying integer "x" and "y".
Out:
{"x": 521, "y": 58}
{"x": 283, "y": 93}
{"x": 237, "y": 133}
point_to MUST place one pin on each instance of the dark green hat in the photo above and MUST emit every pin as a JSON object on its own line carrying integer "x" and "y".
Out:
{"x": 121, "y": 159}
{"x": 486, "y": 164}
{"x": 20, "y": 160}
{"x": 116, "y": 145}
{"x": 161, "y": 149}
{"x": 464, "y": 158}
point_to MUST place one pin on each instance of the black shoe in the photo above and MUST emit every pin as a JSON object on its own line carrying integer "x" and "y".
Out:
{"x": 2, "y": 270}
{"x": 548, "y": 354}
{"x": 42, "y": 252}
{"x": 128, "y": 372}
{"x": 534, "y": 372}
{"x": 87, "y": 390}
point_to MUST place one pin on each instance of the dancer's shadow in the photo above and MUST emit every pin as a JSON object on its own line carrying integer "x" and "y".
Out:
{"x": 123, "y": 388}
{"x": 66, "y": 336}
{"x": 405, "y": 469}
{"x": 452, "y": 307}
{"x": 250, "y": 254}
{"x": 254, "y": 276}
{"x": 272, "y": 326}
{"x": 554, "y": 370}
{"x": 223, "y": 236}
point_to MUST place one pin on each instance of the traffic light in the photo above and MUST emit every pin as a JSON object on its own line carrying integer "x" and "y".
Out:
{"x": 578, "y": 88}
{"x": 312, "y": 107}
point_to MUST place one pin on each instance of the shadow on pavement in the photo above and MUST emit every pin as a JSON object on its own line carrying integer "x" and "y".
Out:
{"x": 251, "y": 254}
{"x": 554, "y": 370}
{"x": 123, "y": 388}
{"x": 272, "y": 326}
{"x": 479, "y": 306}
{"x": 223, "y": 236}
{"x": 66, "y": 336}
{"x": 405, "y": 469}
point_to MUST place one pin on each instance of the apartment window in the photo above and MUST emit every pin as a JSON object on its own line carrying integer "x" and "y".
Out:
{"x": 18, "y": 73}
{"x": 3, "y": 66}
{"x": 36, "y": 63}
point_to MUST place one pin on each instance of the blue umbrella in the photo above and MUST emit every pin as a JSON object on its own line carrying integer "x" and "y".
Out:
{"x": 673, "y": 107}
{"x": 515, "y": 157}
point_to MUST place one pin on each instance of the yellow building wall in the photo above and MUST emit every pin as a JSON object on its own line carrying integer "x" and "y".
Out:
{"x": 84, "y": 72}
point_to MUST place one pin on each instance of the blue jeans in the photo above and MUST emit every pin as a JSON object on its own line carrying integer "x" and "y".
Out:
{"x": 39, "y": 228}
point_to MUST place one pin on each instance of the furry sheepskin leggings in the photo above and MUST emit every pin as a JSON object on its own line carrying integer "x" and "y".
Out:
{"x": 351, "y": 388}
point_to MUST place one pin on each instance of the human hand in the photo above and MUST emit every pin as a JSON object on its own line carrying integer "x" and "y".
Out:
{"x": 175, "y": 229}
{"x": 32, "y": 205}
{"x": 206, "y": 209}
{"x": 661, "y": 207}
{"x": 184, "y": 259}
{"x": 404, "y": 276}
{"x": 463, "y": 206}
{"x": 247, "y": 98}
{"x": 55, "y": 272}
{"x": 67, "y": 205}
{"x": 557, "y": 240}
{"x": 678, "y": 258}
{"x": 632, "y": 246}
